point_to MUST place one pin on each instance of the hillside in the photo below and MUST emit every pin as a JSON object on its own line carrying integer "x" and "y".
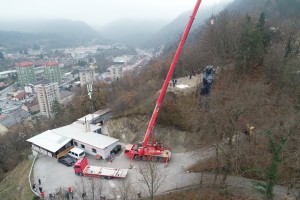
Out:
{"x": 170, "y": 33}
{"x": 51, "y": 34}
{"x": 133, "y": 32}
{"x": 258, "y": 85}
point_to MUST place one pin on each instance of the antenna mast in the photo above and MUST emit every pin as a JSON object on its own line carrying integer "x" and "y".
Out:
{"x": 90, "y": 93}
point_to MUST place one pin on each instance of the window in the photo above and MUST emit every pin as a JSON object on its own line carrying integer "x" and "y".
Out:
{"x": 75, "y": 143}
{"x": 82, "y": 146}
{"x": 81, "y": 154}
{"x": 94, "y": 150}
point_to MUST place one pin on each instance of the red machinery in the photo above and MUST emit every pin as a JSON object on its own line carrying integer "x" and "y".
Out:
{"x": 156, "y": 151}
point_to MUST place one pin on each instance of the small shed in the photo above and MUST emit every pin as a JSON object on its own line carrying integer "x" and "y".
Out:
{"x": 104, "y": 115}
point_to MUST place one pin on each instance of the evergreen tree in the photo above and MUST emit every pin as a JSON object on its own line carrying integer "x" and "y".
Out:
{"x": 57, "y": 109}
{"x": 253, "y": 44}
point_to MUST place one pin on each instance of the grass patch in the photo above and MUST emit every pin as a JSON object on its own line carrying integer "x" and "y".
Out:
{"x": 15, "y": 185}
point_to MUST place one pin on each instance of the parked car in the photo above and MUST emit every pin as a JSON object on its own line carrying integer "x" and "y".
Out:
{"x": 116, "y": 149}
{"x": 76, "y": 153}
{"x": 66, "y": 160}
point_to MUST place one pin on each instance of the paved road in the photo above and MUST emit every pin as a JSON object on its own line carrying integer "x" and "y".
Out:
{"x": 7, "y": 90}
{"x": 55, "y": 175}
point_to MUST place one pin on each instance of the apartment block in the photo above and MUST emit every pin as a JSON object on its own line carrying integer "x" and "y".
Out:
{"x": 26, "y": 73}
{"x": 86, "y": 76}
{"x": 46, "y": 95}
{"x": 52, "y": 71}
{"x": 116, "y": 72}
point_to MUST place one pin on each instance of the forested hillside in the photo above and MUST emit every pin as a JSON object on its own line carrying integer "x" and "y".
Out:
{"x": 254, "y": 46}
{"x": 256, "y": 50}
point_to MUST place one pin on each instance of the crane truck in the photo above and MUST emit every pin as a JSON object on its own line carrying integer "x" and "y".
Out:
{"x": 156, "y": 151}
{"x": 82, "y": 168}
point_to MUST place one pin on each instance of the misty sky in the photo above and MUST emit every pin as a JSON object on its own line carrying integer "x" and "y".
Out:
{"x": 97, "y": 12}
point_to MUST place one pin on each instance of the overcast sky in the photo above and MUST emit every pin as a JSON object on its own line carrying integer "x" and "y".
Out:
{"x": 97, "y": 12}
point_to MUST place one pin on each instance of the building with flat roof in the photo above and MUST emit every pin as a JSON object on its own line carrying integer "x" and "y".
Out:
{"x": 26, "y": 73}
{"x": 14, "y": 117}
{"x": 86, "y": 77}
{"x": 116, "y": 72}
{"x": 7, "y": 74}
{"x": 84, "y": 134}
{"x": 47, "y": 94}
{"x": 52, "y": 71}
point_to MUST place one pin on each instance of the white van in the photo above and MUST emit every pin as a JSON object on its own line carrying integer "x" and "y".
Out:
{"x": 76, "y": 153}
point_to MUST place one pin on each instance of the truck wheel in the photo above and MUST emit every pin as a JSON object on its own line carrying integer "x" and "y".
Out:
{"x": 145, "y": 158}
{"x": 161, "y": 160}
{"x": 137, "y": 157}
{"x": 80, "y": 173}
{"x": 154, "y": 159}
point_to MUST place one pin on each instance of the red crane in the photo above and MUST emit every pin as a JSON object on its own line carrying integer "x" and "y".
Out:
{"x": 156, "y": 151}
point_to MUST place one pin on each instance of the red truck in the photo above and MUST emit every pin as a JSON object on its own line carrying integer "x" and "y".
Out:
{"x": 82, "y": 168}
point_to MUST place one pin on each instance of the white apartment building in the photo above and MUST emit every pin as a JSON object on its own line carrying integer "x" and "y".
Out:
{"x": 46, "y": 95}
{"x": 87, "y": 76}
{"x": 116, "y": 72}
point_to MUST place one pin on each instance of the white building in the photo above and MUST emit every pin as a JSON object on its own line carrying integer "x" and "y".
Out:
{"x": 46, "y": 95}
{"x": 84, "y": 133}
{"x": 6, "y": 74}
{"x": 87, "y": 76}
{"x": 116, "y": 72}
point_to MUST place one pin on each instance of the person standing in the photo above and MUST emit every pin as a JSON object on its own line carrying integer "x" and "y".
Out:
{"x": 39, "y": 181}
{"x": 33, "y": 187}
{"x": 41, "y": 189}
{"x": 139, "y": 195}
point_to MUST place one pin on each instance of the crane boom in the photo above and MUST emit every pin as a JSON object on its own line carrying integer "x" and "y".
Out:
{"x": 165, "y": 85}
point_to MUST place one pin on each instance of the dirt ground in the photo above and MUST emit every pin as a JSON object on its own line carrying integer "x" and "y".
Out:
{"x": 132, "y": 129}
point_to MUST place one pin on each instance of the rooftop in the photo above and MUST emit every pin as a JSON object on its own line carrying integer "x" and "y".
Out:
{"x": 102, "y": 111}
{"x": 78, "y": 132}
{"x": 24, "y": 64}
{"x": 51, "y": 63}
{"x": 65, "y": 93}
{"x": 50, "y": 140}
{"x": 15, "y": 117}
{"x": 88, "y": 118}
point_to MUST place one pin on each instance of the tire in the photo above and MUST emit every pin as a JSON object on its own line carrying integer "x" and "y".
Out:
{"x": 145, "y": 158}
{"x": 154, "y": 159}
{"x": 137, "y": 157}
{"x": 80, "y": 173}
{"x": 161, "y": 160}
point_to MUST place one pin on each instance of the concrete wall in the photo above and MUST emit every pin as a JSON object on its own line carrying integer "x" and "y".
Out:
{"x": 105, "y": 153}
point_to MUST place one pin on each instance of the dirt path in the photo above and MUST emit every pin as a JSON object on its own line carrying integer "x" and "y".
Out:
{"x": 185, "y": 84}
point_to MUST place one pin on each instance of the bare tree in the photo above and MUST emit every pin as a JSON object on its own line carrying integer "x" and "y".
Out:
{"x": 124, "y": 191}
{"x": 152, "y": 177}
{"x": 91, "y": 188}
